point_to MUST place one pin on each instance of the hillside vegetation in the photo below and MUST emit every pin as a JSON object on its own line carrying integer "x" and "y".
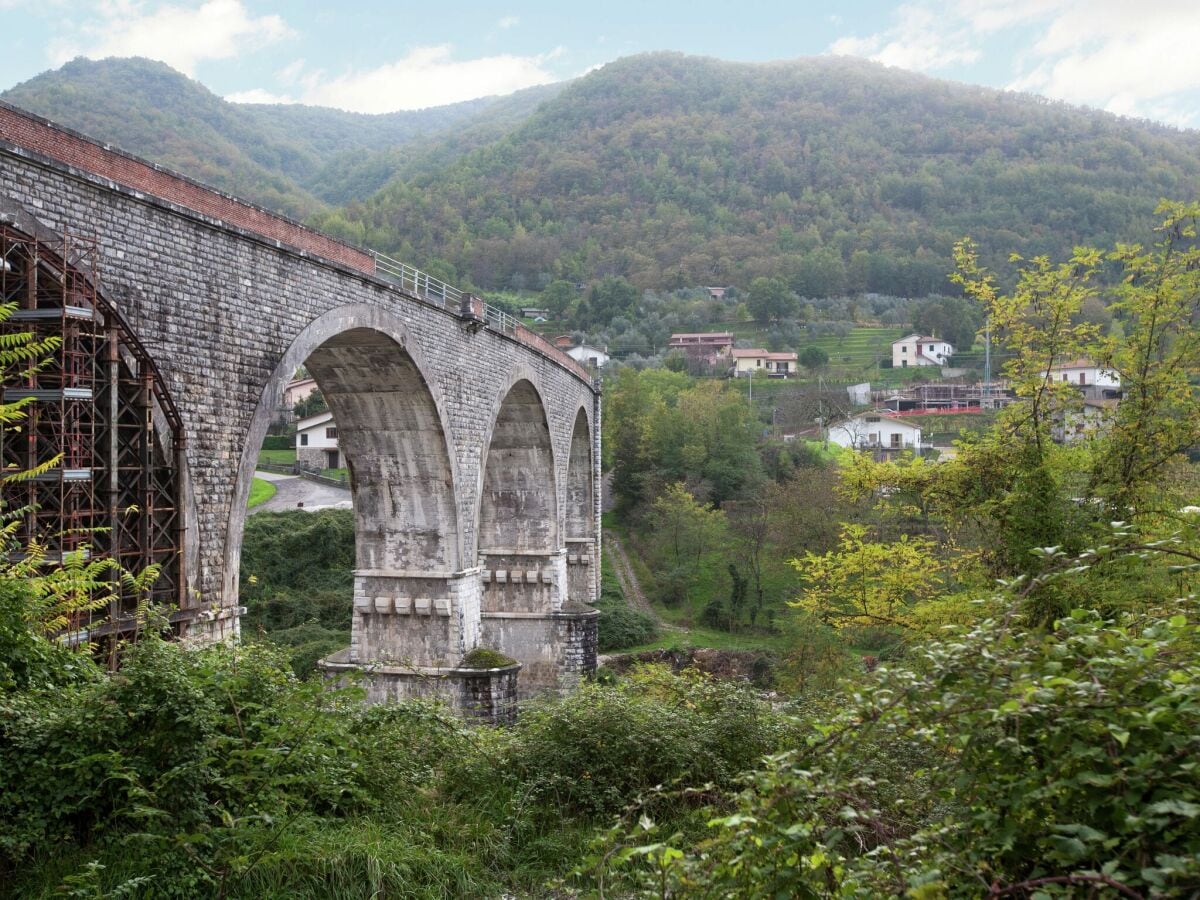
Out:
{"x": 290, "y": 158}
{"x": 836, "y": 175}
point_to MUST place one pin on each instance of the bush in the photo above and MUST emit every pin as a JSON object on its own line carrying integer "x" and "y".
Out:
{"x": 1042, "y": 765}
{"x": 595, "y": 751}
{"x": 620, "y": 625}
{"x": 279, "y": 442}
{"x": 188, "y": 766}
{"x": 297, "y": 567}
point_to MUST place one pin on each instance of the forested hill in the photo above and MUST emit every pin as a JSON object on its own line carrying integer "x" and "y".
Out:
{"x": 294, "y": 159}
{"x": 837, "y": 174}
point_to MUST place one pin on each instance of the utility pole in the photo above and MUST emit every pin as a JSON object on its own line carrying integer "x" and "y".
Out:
{"x": 987, "y": 361}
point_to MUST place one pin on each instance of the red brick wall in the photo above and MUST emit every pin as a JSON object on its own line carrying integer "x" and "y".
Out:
{"x": 65, "y": 146}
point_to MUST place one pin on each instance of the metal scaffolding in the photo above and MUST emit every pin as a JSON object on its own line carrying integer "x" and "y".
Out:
{"x": 99, "y": 405}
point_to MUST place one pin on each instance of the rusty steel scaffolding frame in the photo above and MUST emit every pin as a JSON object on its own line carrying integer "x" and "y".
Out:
{"x": 98, "y": 404}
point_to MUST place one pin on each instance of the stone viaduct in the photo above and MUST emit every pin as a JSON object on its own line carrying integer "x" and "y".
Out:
{"x": 473, "y": 444}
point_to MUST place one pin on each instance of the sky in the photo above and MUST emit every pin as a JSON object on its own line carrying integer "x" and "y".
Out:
{"x": 1128, "y": 57}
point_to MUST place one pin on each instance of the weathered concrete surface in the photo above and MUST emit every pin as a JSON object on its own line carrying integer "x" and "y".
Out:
{"x": 470, "y": 451}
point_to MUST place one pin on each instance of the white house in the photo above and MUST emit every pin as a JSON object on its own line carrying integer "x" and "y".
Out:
{"x": 916, "y": 350}
{"x": 763, "y": 362}
{"x": 589, "y": 356}
{"x": 1086, "y": 373}
{"x": 317, "y": 442}
{"x": 873, "y": 431}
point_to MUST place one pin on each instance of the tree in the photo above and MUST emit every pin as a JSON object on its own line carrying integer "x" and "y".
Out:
{"x": 311, "y": 405}
{"x": 609, "y": 298}
{"x": 1038, "y": 323}
{"x": 953, "y": 319}
{"x": 821, "y": 273}
{"x": 770, "y": 300}
{"x": 683, "y": 532}
{"x": 867, "y": 583}
{"x": 558, "y": 297}
{"x": 1158, "y": 299}
{"x": 684, "y": 529}
{"x": 813, "y": 358}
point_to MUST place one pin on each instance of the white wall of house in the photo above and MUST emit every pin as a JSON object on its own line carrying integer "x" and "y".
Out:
{"x": 763, "y": 363}
{"x": 1085, "y": 374}
{"x": 871, "y": 431}
{"x": 318, "y": 432}
{"x": 589, "y": 356}
{"x": 317, "y": 442}
{"x": 915, "y": 350}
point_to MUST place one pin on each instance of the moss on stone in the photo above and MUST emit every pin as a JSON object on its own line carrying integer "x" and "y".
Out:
{"x": 483, "y": 658}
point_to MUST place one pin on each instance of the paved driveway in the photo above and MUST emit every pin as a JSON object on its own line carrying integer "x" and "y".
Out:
{"x": 294, "y": 492}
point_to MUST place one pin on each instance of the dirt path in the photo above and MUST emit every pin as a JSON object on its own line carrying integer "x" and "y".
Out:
{"x": 634, "y": 595}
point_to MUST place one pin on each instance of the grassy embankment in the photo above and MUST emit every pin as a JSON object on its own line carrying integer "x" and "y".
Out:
{"x": 277, "y": 457}
{"x": 260, "y": 492}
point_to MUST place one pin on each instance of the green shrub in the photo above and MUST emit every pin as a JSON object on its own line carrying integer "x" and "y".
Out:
{"x": 279, "y": 442}
{"x": 620, "y": 625}
{"x": 27, "y": 660}
{"x": 187, "y": 766}
{"x": 595, "y": 751}
{"x": 1042, "y": 765}
{"x": 297, "y": 567}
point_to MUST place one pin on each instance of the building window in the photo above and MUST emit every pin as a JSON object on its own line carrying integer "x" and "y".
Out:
{"x": 1083, "y": 377}
{"x": 331, "y": 432}
{"x": 903, "y": 348}
{"x": 895, "y": 440}
{"x": 304, "y": 440}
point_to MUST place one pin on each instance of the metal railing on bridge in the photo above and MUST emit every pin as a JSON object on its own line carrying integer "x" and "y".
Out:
{"x": 439, "y": 293}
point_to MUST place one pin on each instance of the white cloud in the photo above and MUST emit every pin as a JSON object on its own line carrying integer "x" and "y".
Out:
{"x": 1129, "y": 58}
{"x": 919, "y": 41}
{"x": 258, "y": 95}
{"x": 427, "y": 76}
{"x": 508, "y": 21}
{"x": 179, "y": 35}
{"x": 290, "y": 73}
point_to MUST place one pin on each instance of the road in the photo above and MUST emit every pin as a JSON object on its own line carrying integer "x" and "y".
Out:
{"x": 294, "y": 492}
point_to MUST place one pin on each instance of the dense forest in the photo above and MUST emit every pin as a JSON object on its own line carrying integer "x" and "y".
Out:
{"x": 834, "y": 175}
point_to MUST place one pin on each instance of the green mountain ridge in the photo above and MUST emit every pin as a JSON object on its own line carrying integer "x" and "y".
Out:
{"x": 292, "y": 158}
{"x": 834, "y": 174}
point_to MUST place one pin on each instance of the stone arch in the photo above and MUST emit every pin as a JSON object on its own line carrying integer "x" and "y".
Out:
{"x": 393, "y": 430}
{"x": 518, "y": 497}
{"x": 581, "y": 509}
{"x": 580, "y": 518}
